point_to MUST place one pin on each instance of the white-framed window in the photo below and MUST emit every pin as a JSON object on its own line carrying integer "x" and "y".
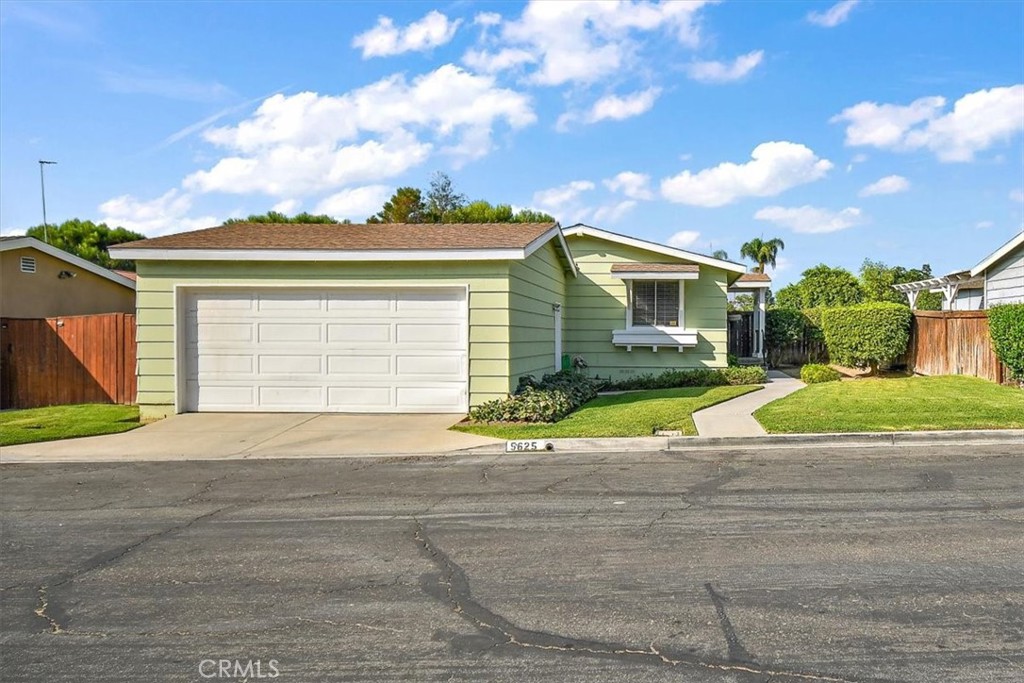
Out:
{"x": 655, "y": 303}
{"x": 28, "y": 264}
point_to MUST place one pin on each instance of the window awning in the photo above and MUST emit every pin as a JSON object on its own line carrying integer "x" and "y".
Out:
{"x": 655, "y": 271}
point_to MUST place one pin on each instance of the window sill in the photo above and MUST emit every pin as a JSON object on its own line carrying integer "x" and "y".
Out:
{"x": 655, "y": 337}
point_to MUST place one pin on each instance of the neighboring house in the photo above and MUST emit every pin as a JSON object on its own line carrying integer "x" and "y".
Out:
{"x": 996, "y": 279}
{"x": 38, "y": 280}
{"x": 409, "y": 318}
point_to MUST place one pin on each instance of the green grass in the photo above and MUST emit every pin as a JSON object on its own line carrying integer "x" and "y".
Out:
{"x": 895, "y": 404}
{"x": 632, "y": 414}
{"x": 65, "y": 422}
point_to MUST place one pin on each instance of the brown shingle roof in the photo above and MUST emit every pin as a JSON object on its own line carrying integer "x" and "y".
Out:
{"x": 754, "y": 277}
{"x": 654, "y": 268}
{"x": 339, "y": 237}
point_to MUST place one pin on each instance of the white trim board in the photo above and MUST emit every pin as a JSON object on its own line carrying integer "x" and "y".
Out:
{"x": 27, "y": 242}
{"x": 999, "y": 253}
{"x": 589, "y": 231}
{"x": 319, "y": 255}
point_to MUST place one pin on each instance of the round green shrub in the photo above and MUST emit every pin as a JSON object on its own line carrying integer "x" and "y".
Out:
{"x": 815, "y": 373}
{"x": 1006, "y": 327}
{"x": 866, "y": 335}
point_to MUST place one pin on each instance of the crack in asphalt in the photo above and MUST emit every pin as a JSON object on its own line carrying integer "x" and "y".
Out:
{"x": 452, "y": 587}
{"x": 737, "y": 652}
{"x": 46, "y": 608}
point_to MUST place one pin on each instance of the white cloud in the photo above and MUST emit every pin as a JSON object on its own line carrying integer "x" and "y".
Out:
{"x": 1017, "y": 196}
{"x": 487, "y": 19}
{"x": 781, "y": 263}
{"x": 977, "y": 121}
{"x": 721, "y": 72}
{"x": 492, "y": 62}
{"x": 385, "y": 39}
{"x": 774, "y": 168}
{"x": 683, "y": 239}
{"x": 287, "y": 206}
{"x": 613, "y": 108}
{"x": 307, "y": 143}
{"x": 563, "y": 202}
{"x": 633, "y": 185}
{"x": 166, "y": 213}
{"x": 833, "y": 16}
{"x": 890, "y": 184}
{"x": 354, "y": 203}
{"x": 983, "y": 225}
{"x": 611, "y": 213}
{"x": 581, "y": 42}
{"x": 810, "y": 219}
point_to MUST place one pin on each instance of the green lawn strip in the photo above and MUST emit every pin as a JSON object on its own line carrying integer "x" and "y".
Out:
{"x": 65, "y": 422}
{"x": 636, "y": 413}
{"x": 895, "y": 404}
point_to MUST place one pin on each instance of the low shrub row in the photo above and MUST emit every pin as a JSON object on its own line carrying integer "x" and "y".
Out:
{"x": 697, "y": 377}
{"x": 816, "y": 373}
{"x": 548, "y": 400}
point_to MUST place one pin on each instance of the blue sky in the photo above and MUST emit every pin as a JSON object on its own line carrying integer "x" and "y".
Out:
{"x": 889, "y": 130}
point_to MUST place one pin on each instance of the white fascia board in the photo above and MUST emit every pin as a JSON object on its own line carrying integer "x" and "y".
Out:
{"x": 76, "y": 261}
{"x": 655, "y": 275}
{"x": 318, "y": 255}
{"x": 588, "y": 231}
{"x": 999, "y": 253}
{"x": 759, "y": 284}
{"x": 545, "y": 238}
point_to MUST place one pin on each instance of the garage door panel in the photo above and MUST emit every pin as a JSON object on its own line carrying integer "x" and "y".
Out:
{"x": 360, "y": 399}
{"x": 344, "y": 350}
{"x": 379, "y": 333}
{"x": 428, "y": 333}
{"x": 453, "y": 365}
{"x": 345, "y": 365}
{"x": 290, "y": 364}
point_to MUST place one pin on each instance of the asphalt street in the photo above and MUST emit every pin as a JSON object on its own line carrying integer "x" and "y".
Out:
{"x": 819, "y": 564}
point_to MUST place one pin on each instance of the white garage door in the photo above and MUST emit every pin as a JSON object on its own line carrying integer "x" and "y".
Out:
{"x": 331, "y": 350}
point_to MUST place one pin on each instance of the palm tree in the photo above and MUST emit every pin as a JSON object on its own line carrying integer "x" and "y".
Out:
{"x": 720, "y": 254}
{"x": 762, "y": 252}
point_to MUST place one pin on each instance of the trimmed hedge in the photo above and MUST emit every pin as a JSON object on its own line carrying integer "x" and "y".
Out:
{"x": 548, "y": 400}
{"x": 696, "y": 377}
{"x": 866, "y": 335}
{"x": 1006, "y": 327}
{"x": 816, "y": 373}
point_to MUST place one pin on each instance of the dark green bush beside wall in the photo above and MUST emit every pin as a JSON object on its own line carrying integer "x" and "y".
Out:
{"x": 866, "y": 335}
{"x": 1006, "y": 326}
{"x": 548, "y": 400}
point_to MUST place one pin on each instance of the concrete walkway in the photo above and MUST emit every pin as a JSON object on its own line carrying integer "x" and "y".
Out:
{"x": 734, "y": 418}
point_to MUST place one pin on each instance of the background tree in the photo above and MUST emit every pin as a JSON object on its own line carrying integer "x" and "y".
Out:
{"x": 877, "y": 279}
{"x": 277, "y": 217}
{"x": 720, "y": 254}
{"x": 405, "y": 206}
{"x": 482, "y": 211}
{"x": 442, "y": 199}
{"x": 89, "y": 240}
{"x": 741, "y": 302}
{"x": 789, "y": 297}
{"x": 762, "y": 252}
{"x": 824, "y": 286}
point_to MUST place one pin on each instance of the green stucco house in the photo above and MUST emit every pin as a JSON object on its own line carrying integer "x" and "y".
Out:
{"x": 412, "y": 318}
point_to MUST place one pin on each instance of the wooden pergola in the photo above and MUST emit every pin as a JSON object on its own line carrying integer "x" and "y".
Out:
{"x": 949, "y": 285}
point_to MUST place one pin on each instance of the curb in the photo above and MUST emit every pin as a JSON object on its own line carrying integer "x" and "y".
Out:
{"x": 853, "y": 439}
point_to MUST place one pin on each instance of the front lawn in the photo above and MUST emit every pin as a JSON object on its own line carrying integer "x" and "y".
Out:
{"x": 631, "y": 414}
{"x": 65, "y": 422}
{"x": 895, "y": 404}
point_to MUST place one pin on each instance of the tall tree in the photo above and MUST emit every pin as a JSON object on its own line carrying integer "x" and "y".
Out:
{"x": 762, "y": 252}
{"x": 481, "y": 211}
{"x": 720, "y": 254}
{"x": 789, "y": 296}
{"x": 877, "y": 279}
{"x": 442, "y": 199}
{"x": 405, "y": 206}
{"x": 824, "y": 286}
{"x": 277, "y": 217}
{"x": 88, "y": 240}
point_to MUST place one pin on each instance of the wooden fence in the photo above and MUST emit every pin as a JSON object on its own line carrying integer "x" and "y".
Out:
{"x": 953, "y": 343}
{"x": 73, "y": 359}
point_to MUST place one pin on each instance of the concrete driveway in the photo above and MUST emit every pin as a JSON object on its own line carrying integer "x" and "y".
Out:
{"x": 215, "y": 436}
